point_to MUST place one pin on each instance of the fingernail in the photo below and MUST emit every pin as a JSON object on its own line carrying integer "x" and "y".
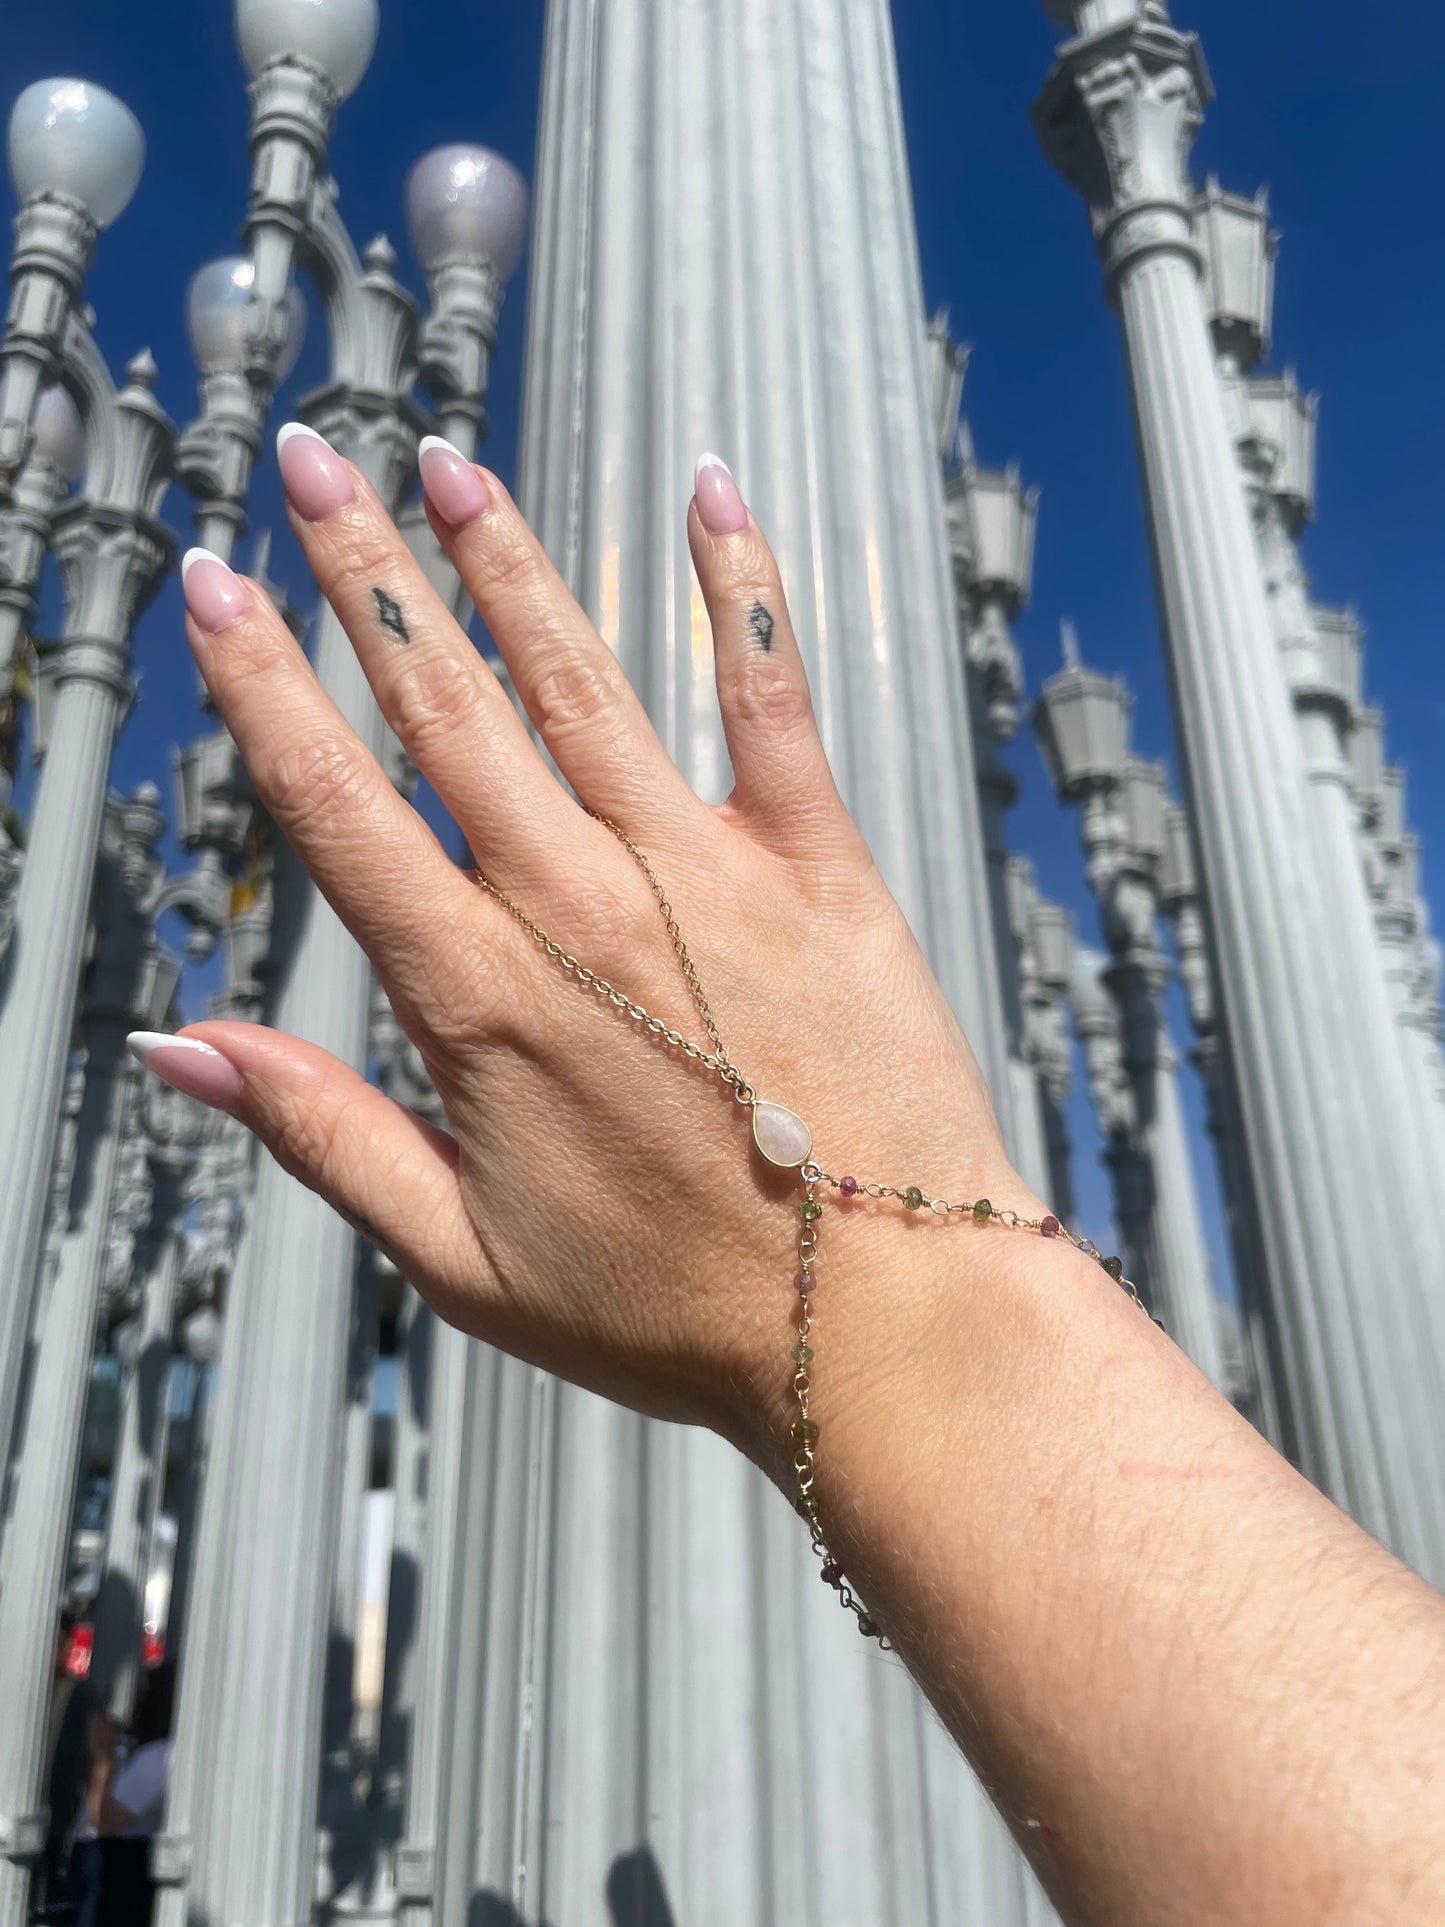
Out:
{"x": 453, "y": 486}
{"x": 317, "y": 481}
{"x": 215, "y": 594}
{"x": 191, "y": 1067}
{"x": 720, "y": 508}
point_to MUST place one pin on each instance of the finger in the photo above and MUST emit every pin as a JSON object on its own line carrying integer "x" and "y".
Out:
{"x": 784, "y": 787}
{"x": 432, "y": 685}
{"x": 570, "y": 682}
{"x": 378, "y": 864}
{"x": 388, "y": 1172}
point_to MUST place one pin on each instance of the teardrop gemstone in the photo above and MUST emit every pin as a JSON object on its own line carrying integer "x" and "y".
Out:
{"x": 781, "y": 1135}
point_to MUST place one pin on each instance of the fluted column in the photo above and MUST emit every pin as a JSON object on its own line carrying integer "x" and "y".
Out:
{"x": 112, "y": 553}
{"x": 1347, "y": 1277}
{"x": 724, "y": 258}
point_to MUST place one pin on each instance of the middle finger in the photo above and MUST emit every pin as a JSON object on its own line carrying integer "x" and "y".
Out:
{"x": 432, "y": 685}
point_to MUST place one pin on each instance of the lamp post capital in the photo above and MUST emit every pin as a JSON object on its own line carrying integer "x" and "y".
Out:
{"x": 1117, "y": 117}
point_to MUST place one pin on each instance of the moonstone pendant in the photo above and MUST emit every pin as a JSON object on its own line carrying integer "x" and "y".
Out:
{"x": 781, "y": 1135}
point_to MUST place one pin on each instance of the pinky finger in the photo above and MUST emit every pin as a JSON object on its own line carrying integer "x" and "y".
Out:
{"x": 784, "y": 787}
{"x": 389, "y": 1173}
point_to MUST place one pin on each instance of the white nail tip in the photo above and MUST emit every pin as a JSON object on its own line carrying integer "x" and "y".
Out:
{"x": 429, "y": 442}
{"x": 709, "y": 461}
{"x": 143, "y": 1044}
{"x": 188, "y": 562}
{"x": 292, "y": 429}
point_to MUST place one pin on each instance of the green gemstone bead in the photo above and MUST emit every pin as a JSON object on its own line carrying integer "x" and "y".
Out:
{"x": 982, "y": 1211}
{"x": 809, "y": 1506}
{"x": 913, "y": 1198}
{"x": 868, "y": 1627}
{"x": 804, "y": 1431}
{"x": 810, "y": 1211}
{"x": 802, "y": 1354}
{"x": 1115, "y": 1268}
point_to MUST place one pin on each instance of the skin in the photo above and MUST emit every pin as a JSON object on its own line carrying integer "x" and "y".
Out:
{"x": 1197, "y": 1692}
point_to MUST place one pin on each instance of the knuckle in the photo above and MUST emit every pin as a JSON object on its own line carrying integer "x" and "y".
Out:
{"x": 766, "y": 688}
{"x": 316, "y": 780}
{"x": 429, "y": 695}
{"x": 573, "y": 693}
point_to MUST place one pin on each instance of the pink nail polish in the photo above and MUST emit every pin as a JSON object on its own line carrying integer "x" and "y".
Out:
{"x": 215, "y": 595}
{"x": 720, "y": 508}
{"x": 453, "y": 486}
{"x": 197, "y": 1070}
{"x": 318, "y": 482}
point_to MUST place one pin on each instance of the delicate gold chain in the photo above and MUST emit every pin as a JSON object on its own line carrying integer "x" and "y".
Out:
{"x": 714, "y": 1060}
{"x": 804, "y": 1429}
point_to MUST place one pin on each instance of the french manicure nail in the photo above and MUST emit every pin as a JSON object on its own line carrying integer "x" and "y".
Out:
{"x": 720, "y": 507}
{"x": 453, "y": 486}
{"x": 197, "y": 1070}
{"x": 215, "y": 594}
{"x": 317, "y": 481}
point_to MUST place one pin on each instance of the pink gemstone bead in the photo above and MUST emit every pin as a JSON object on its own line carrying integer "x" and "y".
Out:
{"x": 1050, "y": 1228}
{"x": 848, "y": 1186}
{"x": 805, "y": 1281}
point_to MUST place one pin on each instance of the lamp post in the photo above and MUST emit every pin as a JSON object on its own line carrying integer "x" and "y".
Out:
{"x": 1117, "y": 116}
{"x": 1082, "y": 719}
{"x": 76, "y": 155}
{"x": 113, "y": 551}
{"x": 130, "y": 985}
{"x": 241, "y": 1838}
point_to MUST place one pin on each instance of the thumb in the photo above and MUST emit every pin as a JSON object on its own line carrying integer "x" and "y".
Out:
{"x": 384, "y": 1169}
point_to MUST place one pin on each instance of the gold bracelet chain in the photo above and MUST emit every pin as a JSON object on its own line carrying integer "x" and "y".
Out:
{"x": 780, "y": 1133}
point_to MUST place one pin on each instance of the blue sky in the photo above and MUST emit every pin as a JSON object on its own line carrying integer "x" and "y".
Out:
{"x": 1338, "y": 120}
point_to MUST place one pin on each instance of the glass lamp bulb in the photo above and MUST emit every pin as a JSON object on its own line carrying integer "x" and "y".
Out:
{"x": 72, "y": 137}
{"x": 217, "y": 304}
{"x": 339, "y": 35}
{"x": 60, "y": 433}
{"x": 466, "y": 203}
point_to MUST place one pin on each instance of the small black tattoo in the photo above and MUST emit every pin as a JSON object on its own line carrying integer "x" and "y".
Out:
{"x": 760, "y": 625}
{"x": 388, "y": 614}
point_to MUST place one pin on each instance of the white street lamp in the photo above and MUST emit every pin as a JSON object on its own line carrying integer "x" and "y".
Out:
{"x": 338, "y": 36}
{"x": 60, "y": 434}
{"x": 218, "y": 303}
{"x": 72, "y": 137}
{"x": 467, "y": 203}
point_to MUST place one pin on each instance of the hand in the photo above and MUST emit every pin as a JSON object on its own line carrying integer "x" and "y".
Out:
{"x": 598, "y": 1208}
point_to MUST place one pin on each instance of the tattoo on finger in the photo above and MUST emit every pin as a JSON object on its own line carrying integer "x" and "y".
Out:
{"x": 761, "y": 626}
{"x": 389, "y": 615}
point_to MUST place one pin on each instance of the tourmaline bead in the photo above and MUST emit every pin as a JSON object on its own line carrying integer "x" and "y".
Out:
{"x": 831, "y": 1573}
{"x": 848, "y": 1186}
{"x": 802, "y": 1354}
{"x": 868, "y": 1627}
{"x": 913, "y": 1198}
{"x": 810, "y": 1211}
{"x": 1114, "y": 1267}
{"x": 809, "y": 1506}
{"x": 805, "y": 1281}
{"x": 982, "y": 1211}
{"x": 804, "y": 1431}
{"x": 1050, "y": 1227}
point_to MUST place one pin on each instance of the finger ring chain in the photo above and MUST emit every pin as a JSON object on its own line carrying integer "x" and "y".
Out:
{"x": 784, "y": 1140}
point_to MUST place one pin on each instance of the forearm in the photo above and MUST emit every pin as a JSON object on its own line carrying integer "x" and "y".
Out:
{"x": 1127, "y": 1608}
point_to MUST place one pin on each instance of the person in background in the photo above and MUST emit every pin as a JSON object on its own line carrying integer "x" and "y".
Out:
{"x": 72, "y": 1702}
{"x": 125, "y": 1805}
